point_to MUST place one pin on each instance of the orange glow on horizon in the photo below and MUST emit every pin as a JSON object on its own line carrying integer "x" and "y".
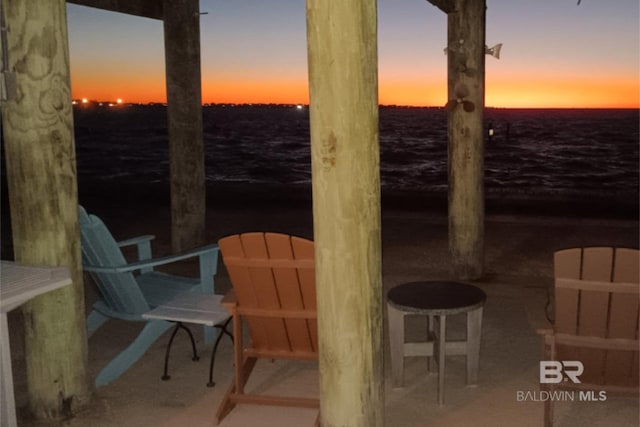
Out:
{"x": 255, "y": 92}
{"x": 412, "y": 93}
{"x": 97, "y": 86}
{"x": 569, "y": 93}
{"x": 500, "y": 92}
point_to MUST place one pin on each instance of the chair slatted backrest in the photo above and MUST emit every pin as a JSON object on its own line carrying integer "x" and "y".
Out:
{"x": 275, "y": 273}
{"x": 119, "y": 291}
{"x": 597, "y": 296}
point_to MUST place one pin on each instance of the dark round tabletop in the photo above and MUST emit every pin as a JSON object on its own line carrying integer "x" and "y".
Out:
{"x": 436, "y": 297}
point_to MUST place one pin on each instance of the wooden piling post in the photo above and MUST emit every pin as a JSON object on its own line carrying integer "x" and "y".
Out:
{"x": 342, "y": 53}
{"x": 37, "y": 125}
{"x": 184, "y": 108}
{"x": 466, "y": 41}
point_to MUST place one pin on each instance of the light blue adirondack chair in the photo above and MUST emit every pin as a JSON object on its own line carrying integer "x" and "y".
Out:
{"x": 125, "y": 295}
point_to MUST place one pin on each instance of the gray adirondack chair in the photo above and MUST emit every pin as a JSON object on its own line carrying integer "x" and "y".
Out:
{"x": 596, "y": 321}
{"x": 127, "y": 296}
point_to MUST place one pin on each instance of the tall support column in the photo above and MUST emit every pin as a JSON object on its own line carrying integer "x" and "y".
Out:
{"x": 342, "y": 51}
{"x": 466, "y": 41}
{"x": 184, "y": 108}
{"x": 37, "y": 124}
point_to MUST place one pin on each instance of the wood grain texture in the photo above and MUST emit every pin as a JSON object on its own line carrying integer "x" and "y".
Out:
{"x": 42, "y": 185}
{"x": 342, "y": 58}
{"x": 184, "y": 114}
{"x": 466, "y": 69}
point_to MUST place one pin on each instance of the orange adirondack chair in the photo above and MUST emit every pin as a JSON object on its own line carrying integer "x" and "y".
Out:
{"x": 274, "y": 291}
{"x": 596, "y": 320}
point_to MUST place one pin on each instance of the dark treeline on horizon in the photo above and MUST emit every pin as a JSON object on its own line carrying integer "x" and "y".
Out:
{"x": 112, "y": 104}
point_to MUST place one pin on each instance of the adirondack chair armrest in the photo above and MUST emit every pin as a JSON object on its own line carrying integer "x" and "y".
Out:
{"x": 138, "y": 240}
{"x": 229, "y": 301}
{"x": 586, "y": 341}
{"x": 143, "y": 244}
{"x": 543, "y": 327}
{"x": 277, "y": 313}
{"x": 207, "y": 254}
{"x": 544, "y": 331}
{"x": 547, "y": 334}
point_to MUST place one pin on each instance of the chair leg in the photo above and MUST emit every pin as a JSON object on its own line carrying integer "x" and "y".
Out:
{"x": 195, "y": 357}
{"x": 238, "y": 352}
{"x": 396, "y": 343}
{"x": 226, "y": 405}
{"x": 549, "y": 353}
{"x": 242, "y": 369}
{"x": 548, "y": 412}
{"x": 95, "y": 319}
{"x": 223, "y": 330}
{"x": 127, "y": 357}
{"x": 228, "y": 401}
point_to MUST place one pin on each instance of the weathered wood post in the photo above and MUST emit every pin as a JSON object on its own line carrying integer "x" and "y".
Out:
{"x": 466, "y": 47}
{"x": 41, "y": 176}
{"x": 342, "y": 53}
{"x": 184, "y": 108}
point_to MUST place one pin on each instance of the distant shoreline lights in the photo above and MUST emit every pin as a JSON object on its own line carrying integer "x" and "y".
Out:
{"x": 90, "y": 103}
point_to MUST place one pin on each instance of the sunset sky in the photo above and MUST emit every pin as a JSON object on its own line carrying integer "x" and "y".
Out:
{"x": 555, "y": 53}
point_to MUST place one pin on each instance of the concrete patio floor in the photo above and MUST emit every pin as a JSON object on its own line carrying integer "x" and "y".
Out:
{"x": 518, "y": 276}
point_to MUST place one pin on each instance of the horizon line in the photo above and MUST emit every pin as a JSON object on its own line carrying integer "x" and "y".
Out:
{"x": 114, "y": 104}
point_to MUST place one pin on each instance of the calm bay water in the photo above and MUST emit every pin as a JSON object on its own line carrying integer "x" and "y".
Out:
{"x": 549, "y": 152}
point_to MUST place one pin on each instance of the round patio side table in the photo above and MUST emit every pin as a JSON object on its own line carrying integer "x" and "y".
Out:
{"x": 436, "y": 300}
